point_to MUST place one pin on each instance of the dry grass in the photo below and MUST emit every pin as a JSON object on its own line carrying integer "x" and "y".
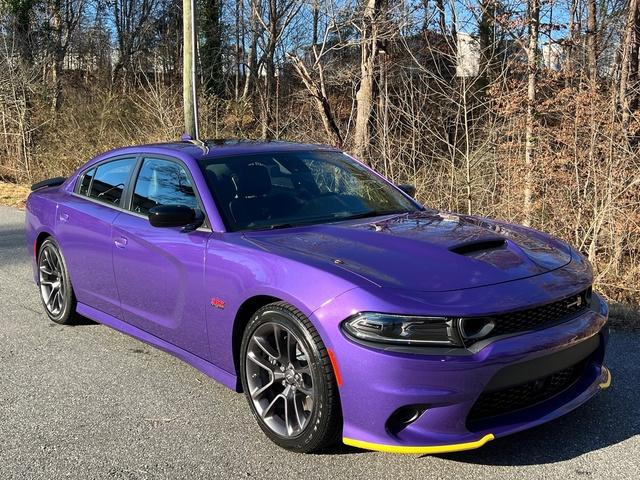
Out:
{"x": 13, "y": 195}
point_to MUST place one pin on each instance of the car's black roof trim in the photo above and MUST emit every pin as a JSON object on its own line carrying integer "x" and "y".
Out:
{"x": 49, "y": 182}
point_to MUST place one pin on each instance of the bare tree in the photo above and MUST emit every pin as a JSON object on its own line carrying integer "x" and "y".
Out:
{"x": 278, "y": 16}
{"x": 533, "y": 18}
{"x": 486, "y": 40}
{"x": 592, "y": 43}
{"x": 318, "y": 91}
{"x": 365, "y": 97}
{"x": 627, "y": 90}
{"x": 132, "y": 21}
{"x": 65, "y": 18}
{"x": 211, "y": 47}
{"x": 251, "y": 67}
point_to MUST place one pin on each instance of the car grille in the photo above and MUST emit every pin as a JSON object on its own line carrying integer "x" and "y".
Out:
{"x": 539, "y": 317}
{"x": 508, "y": 400}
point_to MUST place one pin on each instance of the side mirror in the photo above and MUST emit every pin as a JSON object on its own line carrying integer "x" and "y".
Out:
{"x": 408, "y": 189}
{"x": 164, "y": 216}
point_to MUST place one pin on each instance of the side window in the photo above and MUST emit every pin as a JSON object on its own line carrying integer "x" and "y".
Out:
{"x": 162, "y": 182}
{"x": 110, "y": 180}
{"x": 85, "y": 182}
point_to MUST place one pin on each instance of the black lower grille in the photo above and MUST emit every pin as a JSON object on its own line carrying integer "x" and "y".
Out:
{"x": 537, "y": 317}
{"x": 508, "y": 400}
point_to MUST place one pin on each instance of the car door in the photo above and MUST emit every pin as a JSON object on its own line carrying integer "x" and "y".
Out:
{"x": 83, "y": 230}
{"x": 159, "y": 271}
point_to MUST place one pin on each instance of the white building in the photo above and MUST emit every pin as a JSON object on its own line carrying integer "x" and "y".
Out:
{"x": 468, "y": 55}
{"x": 553, "y": 56}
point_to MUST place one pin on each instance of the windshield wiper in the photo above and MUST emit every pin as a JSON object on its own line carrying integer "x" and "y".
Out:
{"x": 371, "y": 213}
{"x": 275, "y": 226}
{"x": 278, "y": 226}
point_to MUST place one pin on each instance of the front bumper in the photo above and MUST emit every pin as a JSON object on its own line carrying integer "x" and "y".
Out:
{"x": 376, "y": 383}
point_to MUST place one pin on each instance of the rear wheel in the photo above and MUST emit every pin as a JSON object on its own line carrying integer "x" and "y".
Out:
{"x": 288, "y": 380}
{"x": 56, "y": 292}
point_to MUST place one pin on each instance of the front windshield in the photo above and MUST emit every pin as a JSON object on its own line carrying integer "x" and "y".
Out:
{"x": 279, "y": 190}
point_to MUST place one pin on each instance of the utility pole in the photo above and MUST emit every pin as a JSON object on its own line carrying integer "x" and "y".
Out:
{"x": 189, "y": 96}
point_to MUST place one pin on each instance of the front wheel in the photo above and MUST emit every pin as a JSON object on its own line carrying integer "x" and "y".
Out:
{"x": 288, "y": 380}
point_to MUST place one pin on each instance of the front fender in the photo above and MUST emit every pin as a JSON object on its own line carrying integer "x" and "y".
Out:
{"x": 236, "y": 272}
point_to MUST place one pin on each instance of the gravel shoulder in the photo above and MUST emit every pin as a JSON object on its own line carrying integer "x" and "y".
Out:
{"x": 87, "y": 402}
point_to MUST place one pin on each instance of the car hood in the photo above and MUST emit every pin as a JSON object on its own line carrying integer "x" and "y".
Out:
{"x": 425, "y": 251}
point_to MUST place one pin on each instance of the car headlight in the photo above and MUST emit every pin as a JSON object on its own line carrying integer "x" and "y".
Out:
{"x": 403, "y": 329}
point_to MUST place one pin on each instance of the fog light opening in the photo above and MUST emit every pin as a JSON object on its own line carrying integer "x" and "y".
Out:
{"x": 403, "y": 417}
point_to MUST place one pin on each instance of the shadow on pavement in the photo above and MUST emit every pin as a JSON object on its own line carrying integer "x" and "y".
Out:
{"x": 81, "y": 321}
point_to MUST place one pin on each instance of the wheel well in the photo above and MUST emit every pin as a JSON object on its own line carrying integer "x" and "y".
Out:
{"x": 41, "y": 238}
{"x": 245, "y": 312}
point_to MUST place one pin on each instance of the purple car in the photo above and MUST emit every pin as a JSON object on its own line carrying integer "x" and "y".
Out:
{"x": 341, "y": 307}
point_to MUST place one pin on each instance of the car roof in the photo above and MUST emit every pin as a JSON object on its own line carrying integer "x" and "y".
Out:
{"x": 230, "y": 147}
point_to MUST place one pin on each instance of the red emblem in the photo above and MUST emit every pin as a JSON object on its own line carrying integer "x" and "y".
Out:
{"x": 217, "y": 302}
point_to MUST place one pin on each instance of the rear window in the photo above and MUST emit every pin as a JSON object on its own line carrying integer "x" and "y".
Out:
{"x": 85, "y": 182}
{"x": 107, "y": 182}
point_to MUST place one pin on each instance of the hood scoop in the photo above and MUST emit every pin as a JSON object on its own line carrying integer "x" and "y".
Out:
{"x": 477, "y": 246}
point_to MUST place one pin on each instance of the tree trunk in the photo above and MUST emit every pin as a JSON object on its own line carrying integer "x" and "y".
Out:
{"x": 425, "y": 15}
{"x": 634, "y": 63}
{"x": 530, "y": 140}
{"x": 210, "y": 30}
{"x": 268, "y": 91}
{"x": 592, "y": 54}
{"x": 315, "y": 12}
{"x": 570, "y": 48}
{"x": 365, "y": 96}
{"x": 57, "y": 55}
{"x": 627, "y": 94}
{"x": 252, "y": 58}
{"x": 266, "y": 113}
{"x": 318, "y": 91}
{"x": 442, "y": 23}
{"x": 21, "y": 18}
{"x": 238, "y": 69}
{"x": 487, "y": 41}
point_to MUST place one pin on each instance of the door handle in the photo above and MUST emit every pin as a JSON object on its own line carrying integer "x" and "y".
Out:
{"x": 120, "y": 242}
{"x": 64, "y": 217}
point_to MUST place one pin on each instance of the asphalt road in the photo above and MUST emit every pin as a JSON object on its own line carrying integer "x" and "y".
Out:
{"x": 88, "y": 402}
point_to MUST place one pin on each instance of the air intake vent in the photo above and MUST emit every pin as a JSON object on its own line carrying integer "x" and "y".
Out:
{"x": 476, "y": 246}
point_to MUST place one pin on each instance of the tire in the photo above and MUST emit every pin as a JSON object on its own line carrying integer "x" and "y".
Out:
{"x": 56, "y": 292}
{"x": 299, "y": 381}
